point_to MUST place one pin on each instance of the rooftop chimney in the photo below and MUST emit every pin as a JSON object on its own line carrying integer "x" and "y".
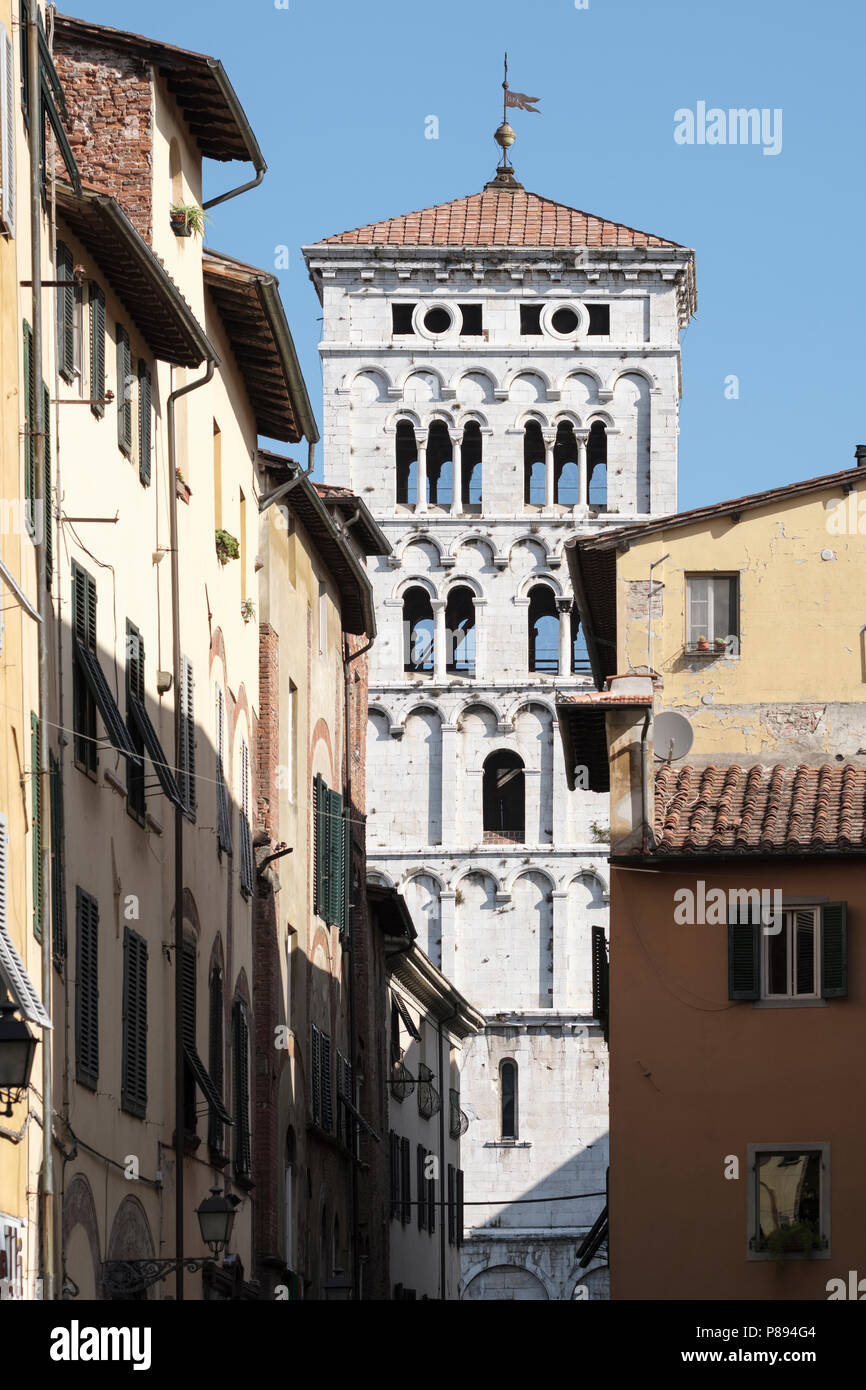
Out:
{"x": 860, "y": 455}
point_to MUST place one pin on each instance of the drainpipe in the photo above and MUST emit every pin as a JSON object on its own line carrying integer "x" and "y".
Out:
{"x": 40, "y": 504}
{"x": 271, "y": 498}
{"x": 237, "y": 112}
{"x": 178, "y": 819}
{"x": 645, "y": 783}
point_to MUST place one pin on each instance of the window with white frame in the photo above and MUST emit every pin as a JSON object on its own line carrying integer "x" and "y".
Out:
{"x": 713, "y": 612}
{"x": 791, "y": 966}
{"x": 789, "y": 1201}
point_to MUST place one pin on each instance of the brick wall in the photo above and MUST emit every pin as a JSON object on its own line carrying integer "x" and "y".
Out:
{"x": 109, "y": 99}
{"x": 267, "y": 749}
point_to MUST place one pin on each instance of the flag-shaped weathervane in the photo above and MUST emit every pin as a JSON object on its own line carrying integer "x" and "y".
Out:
{"x": 505, "y": 136}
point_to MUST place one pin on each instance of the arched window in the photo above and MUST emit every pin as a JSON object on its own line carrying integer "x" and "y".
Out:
{"x": 417, "y": 630}
{"x": 580, "y": 663}
{"x": 508, "y": 1099}
{"x": 407, "y": 463}
{"x": 460, "y": 631}
{"x": 565, "y": 465}
{"x": 596, "y": 465}
{"x": 504, "y": 798}
{"x": 543, "y": 630}
{"x": 533, "y": 465}
{"x": 439, "y": 465}
{"x": 470, "y": 466}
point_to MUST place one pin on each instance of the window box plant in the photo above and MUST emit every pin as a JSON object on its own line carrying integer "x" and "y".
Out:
{"x": 248, "y": 609}
{"x": 226, "y": 546}
{"x": 181, "y": 487}
{"x": 798, "y": 1238}
{"x": 187, "y": 218}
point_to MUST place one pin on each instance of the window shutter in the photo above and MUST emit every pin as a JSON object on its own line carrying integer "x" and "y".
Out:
{"x": 145, "y": 421}
{"x": 86, "y": 989}
{"x": 315, "y": 1073}
{"x": 224, "y": 824}
{"x": 187, "y": 984}
{"x": 97, "y": 350}
{"x": 243, "y": 1153}
{"x": 7, "y": 134}
{"x": 600, "y": 978}
{"x": 431, "y": 1204}
{"x": 84, "y": 607}
{"x": 744, "y": 959}
{"x": 459, "y": 1215}
{"x": 834, "y": 951}
{"x": 47, "y": 531}
{"x": 246, "y": 837}
{"x": 65, "y": 313}
{"x": 215, "y": 1053}
{"x": 134, "y": 1073}
{"x": 451, "y": 1212}
{"x": 58, "y": 884}
{"x": 325, "y": 1078}
{"x": 124, "y": 391}
{"x": 320, "y": 845}
{"x": 406, "y": 1181}
{"x": 187, "y": 735}
{"x": 336, "y": 863}
{"x": 36, "y": 822}
{"x": 29, "y": 441}
{"x": 422, "y": 1204}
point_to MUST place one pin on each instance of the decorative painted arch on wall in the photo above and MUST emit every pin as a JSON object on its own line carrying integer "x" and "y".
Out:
{"x": 322, "y": 734}
{"x": 418, "y": 539}
{"x": 374, "y": 369}
{"x": 79, "y": 1209}
{"x": 130, "y": 1237}
{"x": 425, "y": 705}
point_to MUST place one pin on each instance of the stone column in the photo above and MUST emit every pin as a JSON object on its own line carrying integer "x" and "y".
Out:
{"x": 421, "y": 442}
{"x": 532, "y": 808}
{"x": 449, "y": 784}
{"x": 456, "y": 437}
{"x": 479, "y": 604}
{"x": 564, "y": 606}
{"x": 582, "y": 479}
{"x": 447, "y": 924}
{"x": 549, "y": 437}
{"x": 559, "y": 898}
{"x": 439, "y": 640}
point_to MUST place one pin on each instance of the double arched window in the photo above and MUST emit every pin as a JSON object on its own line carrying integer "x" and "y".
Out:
{"x": 504, "y": 798}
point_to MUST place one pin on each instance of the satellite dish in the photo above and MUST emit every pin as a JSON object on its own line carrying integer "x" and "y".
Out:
{"x": 673, "y": 735}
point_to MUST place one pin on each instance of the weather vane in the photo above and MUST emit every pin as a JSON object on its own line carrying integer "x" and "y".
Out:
{"x": 505, "y": 136}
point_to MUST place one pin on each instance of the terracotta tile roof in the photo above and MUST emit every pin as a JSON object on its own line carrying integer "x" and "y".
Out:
{"x": 760, "y": 810}
{"x": 496, "y": 217}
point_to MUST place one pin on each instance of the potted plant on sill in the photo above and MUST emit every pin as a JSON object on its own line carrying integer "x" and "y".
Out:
{"x": 248, "y": 610}
{"x": 720, "y": 644}
{"x": 703, "y": 644}
{"x": 187, "y": 218}
{"x": 226, "y": 546}
{"x": 797, "y": 1238}
{"x": 181, "y": 487}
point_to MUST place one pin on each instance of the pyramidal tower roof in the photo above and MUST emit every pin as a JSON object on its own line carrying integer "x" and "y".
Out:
{"x": 502, "y": 214}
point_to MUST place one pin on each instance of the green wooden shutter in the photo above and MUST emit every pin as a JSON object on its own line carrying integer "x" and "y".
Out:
{"x": 744, "y": 955}
{"x": 243, "y": 1155}
{"x": 97, "y": 350}
{"x": 245, "y": 833}
{"x": 135, "y": 774}
{"x": 335, "y": 890}
{"x": 124, "y": 391}
{"x": 315, "y": 1073}
{"x": 320, "y": 846}
{"x": 186, "y": 780}
{"x": 47, "y": 529}
{"x": 134, "y": 1065}
{"x": 145, "y": 421}
{"x": 29, "y": 426}
{"x": 325, "y": 1076}
{"x": 188, "y": 991}
{"x": 86, "y": 989}
{"x": 65, "y": 313}
{"x": 58, "y": 884}
{"x": 36, "y": 822}
{"x": 834, "y": 951}
{"x": 215, "y": 1054}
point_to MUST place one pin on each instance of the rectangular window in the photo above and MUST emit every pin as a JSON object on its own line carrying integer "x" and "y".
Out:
{"x": 712, "y": 613}
{"x": 135, "y": 785}
{"x": 394, "y": 1173}
{"x": 58, "y": 879}
{"x": 791, "y": 961}
{"x": 406, "y": 1182}
{"x": 36, "y": 821}
{"x": 315, "y": 1073}
{"x": 789, "y": 1201}
{"x": 331, "y": 855}
{"x": 802, "y": 954}
{"x": 291, "y": 937}
{"x": 134, "y": 1073}
{"x": 472, "y": 325}
{"x": 145, "y": 421}
{"x": 7, "y": 132}
{"x": 189, "y": 1006}
{"x": 83, "y": 699}
{"x": 322, "y": 1094}
{"x": 215, "y": 1054}
{"x": 401, "y": 319}
{"x": 97, "y": 350}
{"x": 599, "y": 320}
{"x": 420, "y": 1155}
{"x": 86, "y": 989}
{"x": 530, "y": 320}
{"x": 46, "y": 486}
{"x": 243, "y": 1153}
{"x": 186, "y": 781}
{"x": 224, "y": 824}
{"x": 431, "y": 1203}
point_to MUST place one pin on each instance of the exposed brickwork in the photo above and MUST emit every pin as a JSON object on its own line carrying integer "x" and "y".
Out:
{"x": 267, "y": 746}
{"x": 109, "y": 99}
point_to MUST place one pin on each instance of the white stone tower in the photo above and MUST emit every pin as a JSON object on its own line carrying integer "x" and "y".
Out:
{"x": 499, "y": 372}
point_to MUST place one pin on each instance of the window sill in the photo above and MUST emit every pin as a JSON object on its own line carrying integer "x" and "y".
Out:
{"x": 790, "y": 1003}
{"x": 508, "y": 1144}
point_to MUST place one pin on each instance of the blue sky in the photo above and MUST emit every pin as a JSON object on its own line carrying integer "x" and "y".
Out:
{"x": 338, "y": 93}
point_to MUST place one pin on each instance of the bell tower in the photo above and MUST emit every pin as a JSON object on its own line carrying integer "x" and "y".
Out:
{"x": 500, "y": 371}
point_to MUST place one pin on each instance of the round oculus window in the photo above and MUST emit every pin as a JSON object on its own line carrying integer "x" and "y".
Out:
{"x": 564, "y": 321}
{"x": 437, "y": 320}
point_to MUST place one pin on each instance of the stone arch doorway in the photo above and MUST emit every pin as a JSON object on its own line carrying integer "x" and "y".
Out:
{"x": 505, "y": 1282}
{"x": 130, "y": 1239}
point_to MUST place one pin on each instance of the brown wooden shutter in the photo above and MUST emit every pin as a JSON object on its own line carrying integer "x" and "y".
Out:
{"x": 134, "y": 1067}
{"x": 86, "y": 989}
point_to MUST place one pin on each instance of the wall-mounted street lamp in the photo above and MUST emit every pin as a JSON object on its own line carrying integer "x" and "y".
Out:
{"x": 216, "y": 1216}
{"x": 17, "y": 1048}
